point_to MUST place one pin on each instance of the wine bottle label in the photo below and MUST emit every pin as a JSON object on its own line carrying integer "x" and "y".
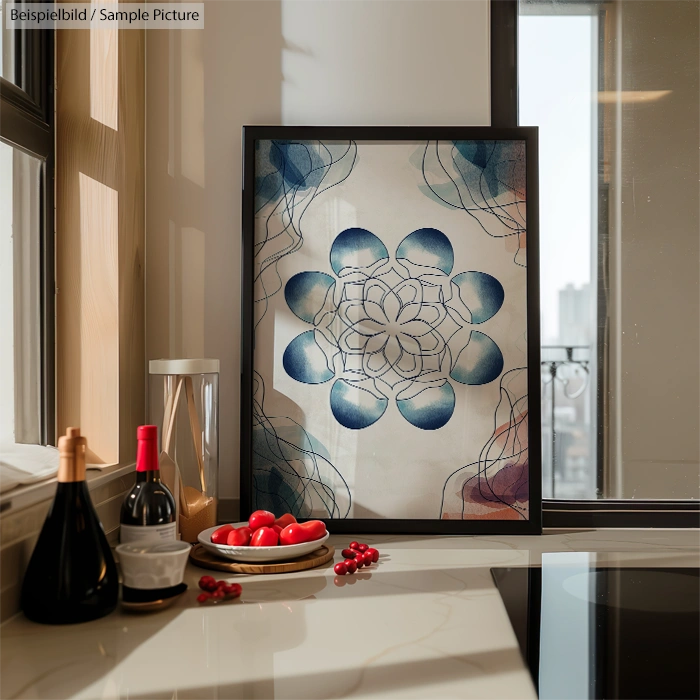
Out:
{"x": 148, "y": 533}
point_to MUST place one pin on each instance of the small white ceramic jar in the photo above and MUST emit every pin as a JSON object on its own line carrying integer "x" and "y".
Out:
{"x": 151, "y": 566}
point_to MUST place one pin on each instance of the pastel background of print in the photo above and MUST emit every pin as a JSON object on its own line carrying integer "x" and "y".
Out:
{"x": 397, "y": 466}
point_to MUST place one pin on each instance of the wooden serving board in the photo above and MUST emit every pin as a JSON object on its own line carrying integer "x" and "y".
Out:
{"x": 200, "y": 557}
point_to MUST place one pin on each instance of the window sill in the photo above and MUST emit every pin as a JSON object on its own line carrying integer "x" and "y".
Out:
{"x": 30, "y": 494}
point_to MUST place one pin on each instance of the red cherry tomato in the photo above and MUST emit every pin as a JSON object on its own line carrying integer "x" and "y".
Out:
{"x": 354, "y": 545}
{"x": 315, "y": 530}
{"x": 284, "y": 520}
{"x": 203, "y": 597}
{"x": 340, "y": 568}
{"x": 349, "y": 553}
{"x": 261, "y": 518}
{"x": 374, "y": 552}
{"x": 362, "y": 547}
{"x": 296, "y": 533}
{"x": 220, "y": 536}
{"x": 351, "y": 565}
{"x": 264, "y": 537}
{"x": 239, "y": 537}
{"x": 293, "y": 534}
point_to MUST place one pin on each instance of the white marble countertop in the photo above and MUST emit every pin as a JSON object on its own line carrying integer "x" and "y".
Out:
{"x": 426, "y": 622}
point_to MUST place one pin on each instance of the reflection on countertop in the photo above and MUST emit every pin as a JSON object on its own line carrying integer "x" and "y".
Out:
{"x": 593, "y": 631}
{"x": 427, "y": 621}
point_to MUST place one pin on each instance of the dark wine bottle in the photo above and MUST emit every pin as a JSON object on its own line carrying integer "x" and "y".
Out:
{"x": 71, "y": 575}
{"x": 148, "y": 511}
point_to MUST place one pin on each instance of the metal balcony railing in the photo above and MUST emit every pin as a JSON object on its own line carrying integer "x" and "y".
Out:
{"x": 566, "y": 379}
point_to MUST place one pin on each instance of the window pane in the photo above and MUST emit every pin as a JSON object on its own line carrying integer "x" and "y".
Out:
{"x": 614, "y": 89}
{"x": 557, "y": 65}
{"x": 20, "y": 351}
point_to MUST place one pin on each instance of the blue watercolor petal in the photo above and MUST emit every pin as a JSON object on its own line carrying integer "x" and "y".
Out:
{"x": 267, "y": 188}
{"x": 431, "y": 409}
{"x": 482, "y": 294}
{"x": 298, "y": 162}
{"x": 499, "y": 168}
{"x": 356, "y": 247}
{"x": 306, "y": 293}
{"x": 479, "y": 362}
{"x": 355, "y": 408}
{"x": 427, "y": 247}
{"x": 477, "y": 152}
{"x": 304, "y": 360}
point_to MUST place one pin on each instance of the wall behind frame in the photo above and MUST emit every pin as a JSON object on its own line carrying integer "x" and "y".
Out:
{"x": 377, "y": 62}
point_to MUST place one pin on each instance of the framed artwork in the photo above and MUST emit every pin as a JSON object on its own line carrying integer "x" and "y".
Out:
{"x": 391, "y": 328}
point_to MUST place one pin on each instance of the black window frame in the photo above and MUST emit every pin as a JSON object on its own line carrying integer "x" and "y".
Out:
{"x": 27, "y": 123}
{"x": 559, "y": 513}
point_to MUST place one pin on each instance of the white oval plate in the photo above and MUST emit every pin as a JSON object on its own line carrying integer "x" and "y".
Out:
{"x": 257, "y": 554}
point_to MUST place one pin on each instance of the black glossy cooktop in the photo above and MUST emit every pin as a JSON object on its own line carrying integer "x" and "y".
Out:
{"x": 600, "y": 632}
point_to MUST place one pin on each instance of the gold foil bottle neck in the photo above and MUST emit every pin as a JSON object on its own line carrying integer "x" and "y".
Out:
{"x": 71, "y": 450}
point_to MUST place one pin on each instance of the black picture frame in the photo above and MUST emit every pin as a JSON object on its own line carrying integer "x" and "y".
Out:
{"x": 529, "y": 135}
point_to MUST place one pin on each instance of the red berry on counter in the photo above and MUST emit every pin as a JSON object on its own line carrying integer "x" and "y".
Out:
{"x": 217, "y": 590}
{"x": 367, "y": 559}
{"x": 362, "y": 547}
{"x": 349, "y": 553}
{"x": 207, "y": 583}
{"x": 351, "y": 565}
{"x": 359, "y": 560}
{"x": 340, "y": 568}
{"x": 354, "y": 545}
